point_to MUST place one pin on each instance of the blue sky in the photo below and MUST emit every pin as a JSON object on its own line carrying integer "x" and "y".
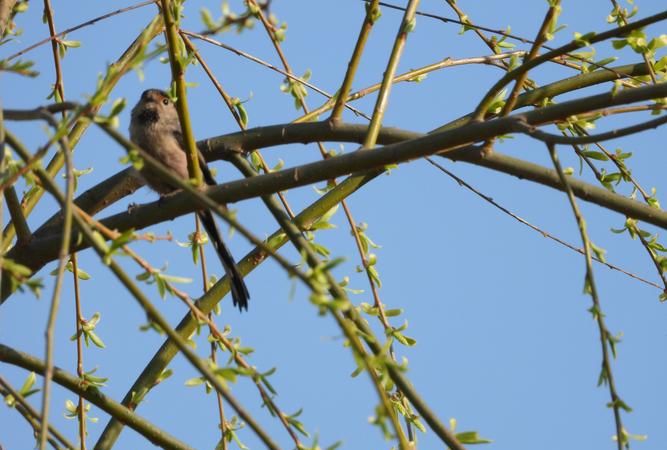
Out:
{"x": 504, "y": 341}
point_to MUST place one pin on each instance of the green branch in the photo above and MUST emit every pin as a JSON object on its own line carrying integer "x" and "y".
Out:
{"x": 591, "y": 38}
{"x": 114, "y": 73}
{"x": 178, "y": 60}
{"x": 407, "y": 25}
{"x": 93, "y": 395}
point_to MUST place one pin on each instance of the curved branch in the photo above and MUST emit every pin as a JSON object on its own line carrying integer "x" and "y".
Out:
{"x": 591, "y": 138}
{"x": 42, "y": 248}
{"x": 127, "y": 181}
{"x": 592, "y": 38}
{"x": 93, "y": 395}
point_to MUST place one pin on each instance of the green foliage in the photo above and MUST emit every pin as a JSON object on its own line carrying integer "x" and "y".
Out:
{"x": 162, "y": 281}
{"x": 87, "y": 330}
{"x": 19, "y": 67}
{"x": 296, "y": 89}
{"x": 26, "y": 390}
{"x": 91, "y": 380}
{"x": 195, "y": 241}
{"x": 72, "y": 411}
{"x": 80, "y": 274}
{"x": 467, "y": 437}
{"x": 501, "y": 45}
{"x": 20, "y": 277}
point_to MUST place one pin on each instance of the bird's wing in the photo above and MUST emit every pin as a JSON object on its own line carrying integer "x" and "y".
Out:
{"x": 206, "y": 171}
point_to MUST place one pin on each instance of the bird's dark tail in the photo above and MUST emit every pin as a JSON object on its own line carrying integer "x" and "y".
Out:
{"x": 240, "y": 294}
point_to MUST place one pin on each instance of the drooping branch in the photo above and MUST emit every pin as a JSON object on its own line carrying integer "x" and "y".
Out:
{"x": 448, "y": 144}
{"x": 70, "y": 382}
{"x": 114, "y": 73}
{"x": 127, "y": 181}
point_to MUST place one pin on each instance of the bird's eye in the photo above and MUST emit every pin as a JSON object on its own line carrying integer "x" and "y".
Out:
{"x": 165, "y": 101}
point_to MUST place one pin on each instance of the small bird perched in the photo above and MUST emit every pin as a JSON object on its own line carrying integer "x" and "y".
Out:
{"x": 155, "y": 128}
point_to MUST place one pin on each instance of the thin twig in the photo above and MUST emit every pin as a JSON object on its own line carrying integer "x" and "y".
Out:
{"x": 252, "y": 58}
{"x": 228, "y": 101}
{"x": 59, "y": 91}
{"x": 557, "y": 60}
{"x": 171, "y": 24}
{"x": 71, "y": 382}
{"x": 372, "y": 14}
{"x": 544, "y": 233}
{"x": 206, "y": 318}
{"x": 81, "y": 410}
{"x": 151, "y": 310}
{"x": 114, "y": 72}
{"x": 62, "y": 262}
{"x": 589, "y": 139}
{"x": 624, "y": 21}
{"x": 410, "y": 75}
{"x": 483, "y": 105}
{"x": 77, "y": 27}
{"x": 33, "y": 413}
{"x": 606, "y": 338}
{"x": 403, "y": 444}
{"x": 407, "y": 23}
{"x": 23, "y": 233}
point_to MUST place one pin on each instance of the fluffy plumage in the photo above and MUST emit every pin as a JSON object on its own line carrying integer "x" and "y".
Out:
{"x": 156, "y": 129}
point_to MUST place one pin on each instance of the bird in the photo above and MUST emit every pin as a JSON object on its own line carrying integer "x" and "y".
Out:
{"x": 155, "y": 128}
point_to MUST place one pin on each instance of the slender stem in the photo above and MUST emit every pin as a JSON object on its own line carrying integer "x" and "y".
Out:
{"x": 541, "y": 38}
{"x": 606, "y": 339}
{"x": 77, "y": 27}
{"x": 23, "y": 233}
{"x": 213, "y": 354}
{"x": 153, "y": 313}
{"x": 270, "y": 66}
{"x": 589, "y": 139}
{"x": 59, "y": 85}
{"x": 575, "y": 44}
{"x": 624, "y": 20}
{"x": 206, "y": 318}
{"x": 209, "y": 73}
{"x": 338, "y": 295}
{"x": 114, "y": 73}
{"x": 228, "y": 102}
{"x": 372, "y": 13}
{"x": 79, "y": 347}
{"x": 407, "y": 23}
{"x": 95, "y": 396}
{"x": 55, "y": 300}
{"x": 410, "y": 75}
{"x": 169, "y": 9}
{"x": 371, "y": 16}
{"x": 543, "y": 232}
{"x": 33, "y": 414}
{"x": 59, "y": 90}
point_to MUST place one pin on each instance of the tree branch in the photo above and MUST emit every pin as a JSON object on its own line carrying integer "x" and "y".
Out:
{"x": 447, "y": 144}
{"x": 93, "y": 395}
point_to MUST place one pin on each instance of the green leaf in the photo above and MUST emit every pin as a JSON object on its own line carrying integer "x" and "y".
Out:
{"x": 71, "y": 44}
{"x": 471, "y": 437}
{"x": 595, "y": 155}
{"x": 95, "y": 339}
{"x": 194, "y": 381}
{"x": 29, "y": 382}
